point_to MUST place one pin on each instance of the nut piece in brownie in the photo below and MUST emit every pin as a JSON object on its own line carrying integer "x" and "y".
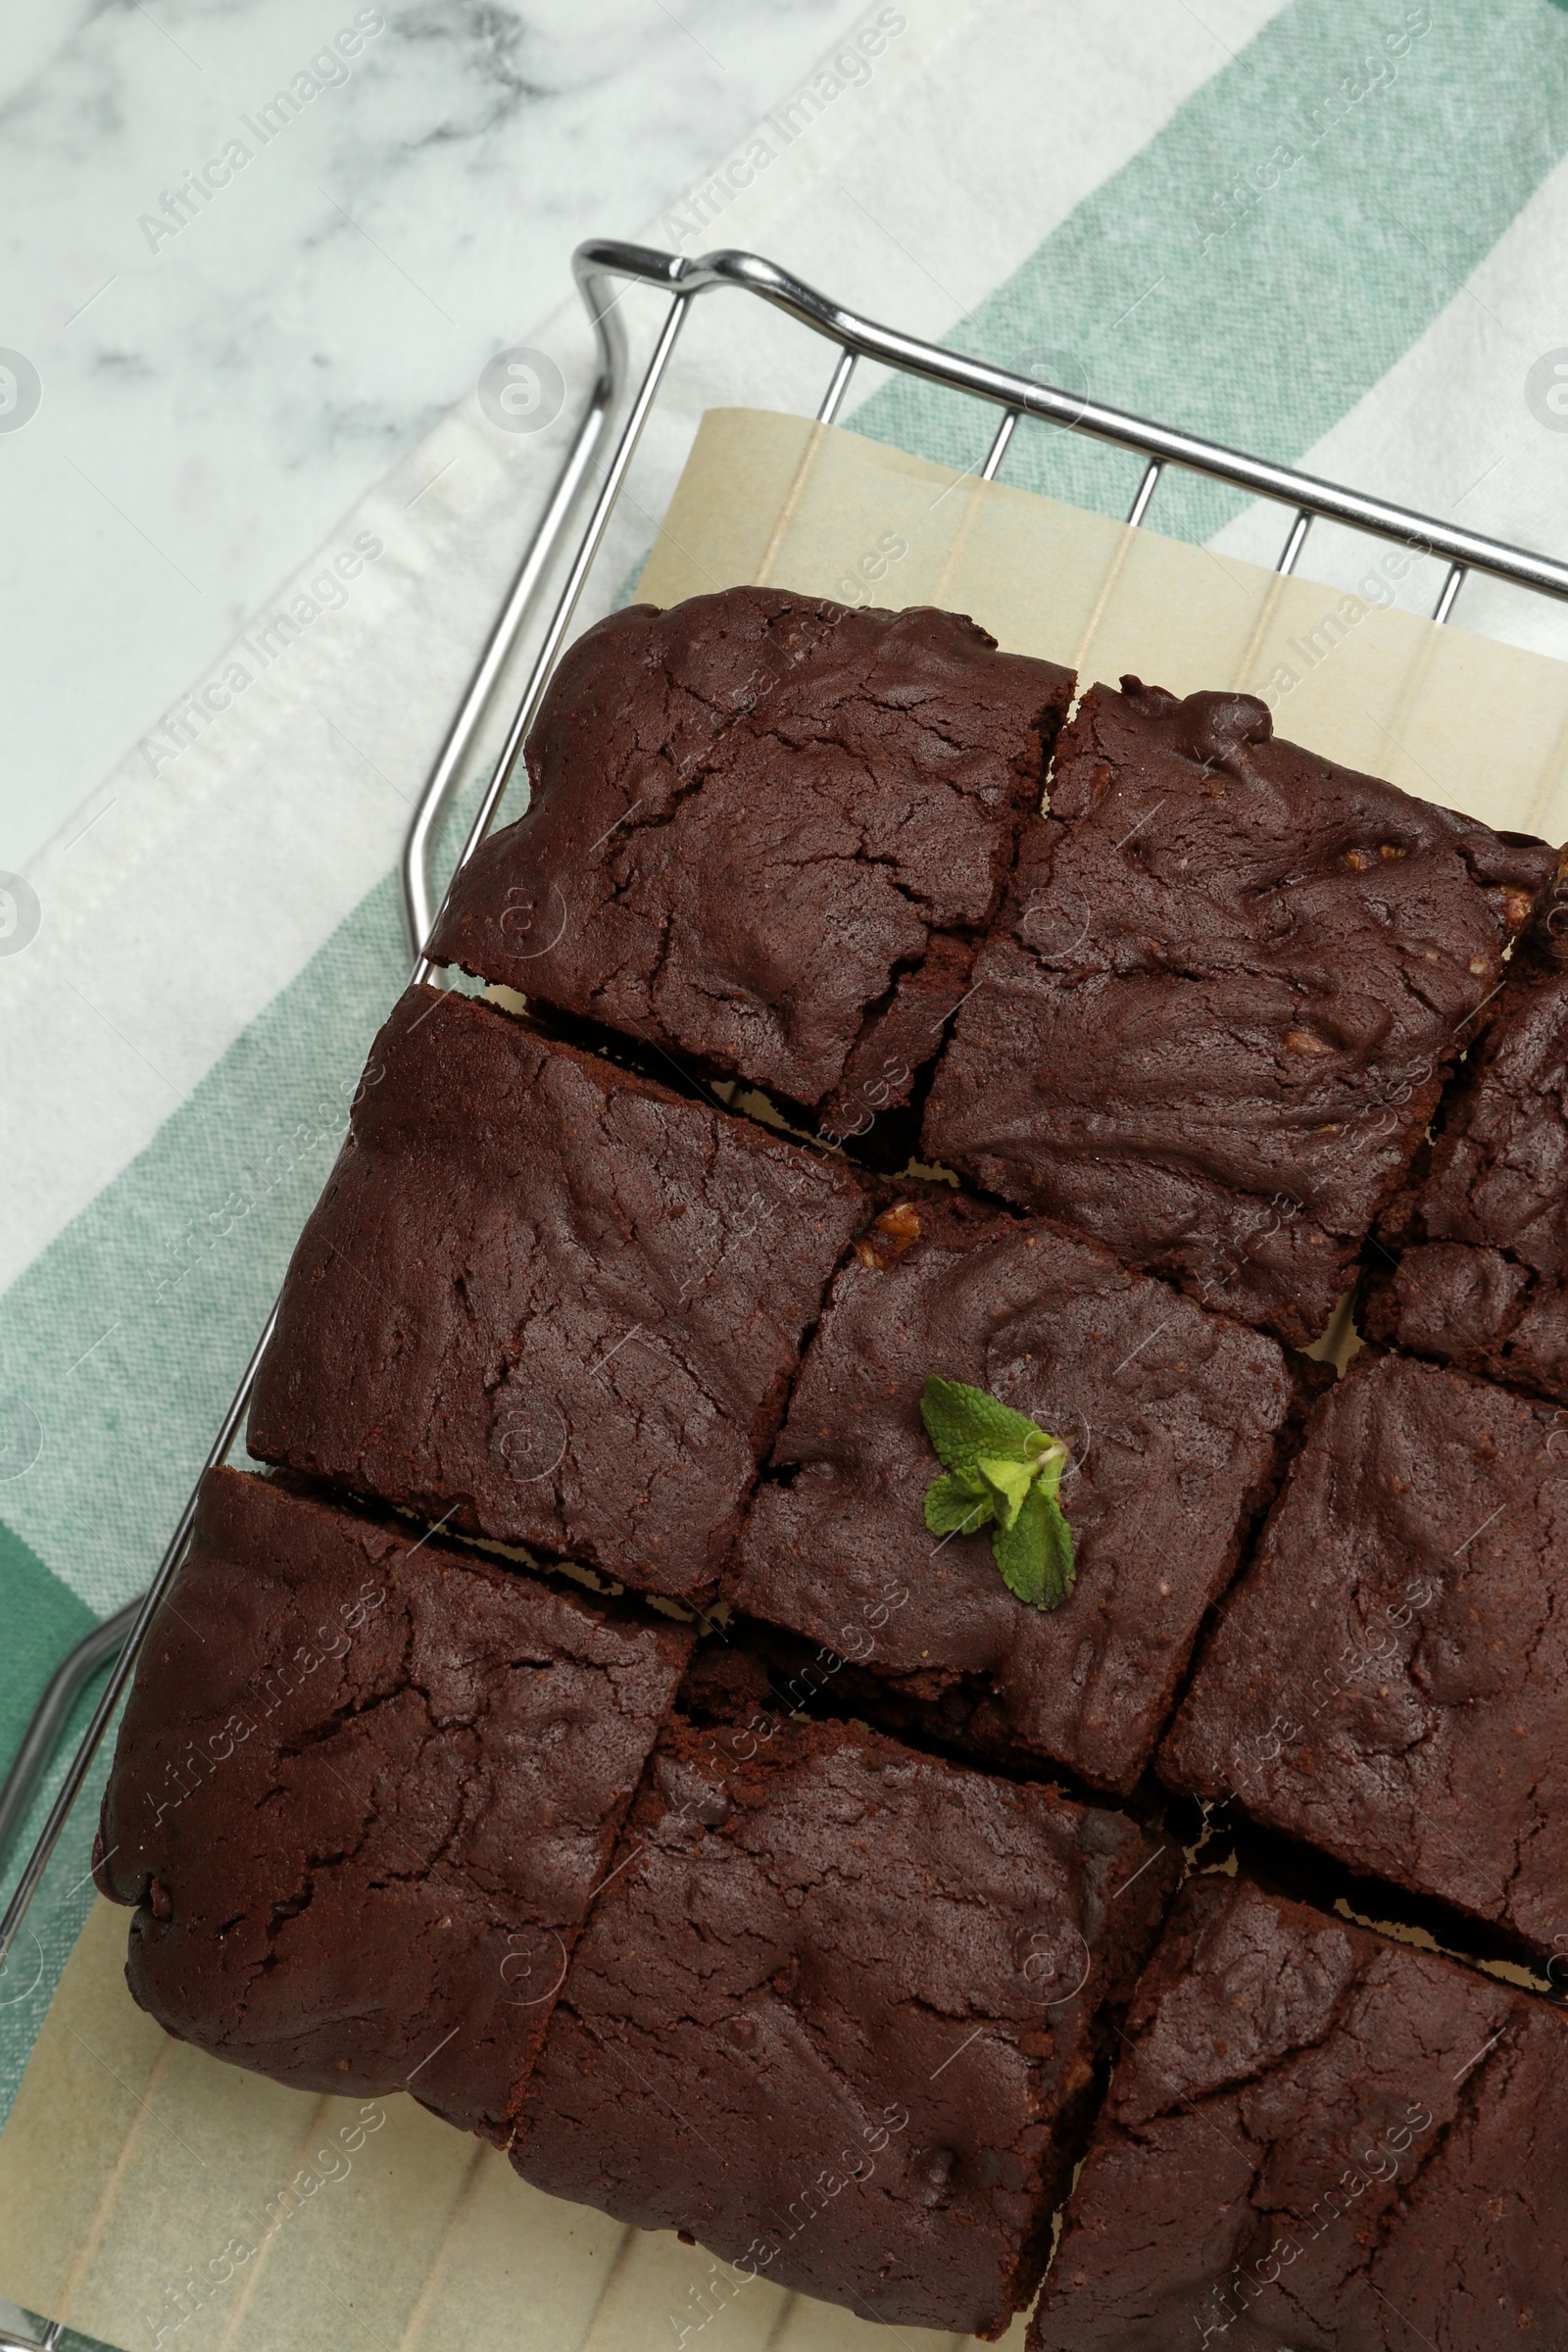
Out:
{"x": 1319, "y": 2139}
{"x": 766, "y": 832}
{"x": 1480, "y": 1233}
{"x": 364, "y": 1790}
{"x": 1217, "y": 1010}
{"x": 549, "y": 1303}
{"x": 1173, "y": 1417}
{"x": 1386, "y": 1679}
{"x": 837, "y": 2016}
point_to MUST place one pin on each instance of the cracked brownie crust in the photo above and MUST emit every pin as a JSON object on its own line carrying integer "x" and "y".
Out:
{"x": 1318, "y": 2142}
{"x": 1386, "y": 1679}
{"x": 835, "y": 2016}
{"x": 549, "y": 1303}
{"x": 363, "y": 1792}
{"x": 1174, "y": 1418}
{"x": 1481, "y": 1234}
{"x": 766, "y": 832}
{"x": 1216, "y": 1013}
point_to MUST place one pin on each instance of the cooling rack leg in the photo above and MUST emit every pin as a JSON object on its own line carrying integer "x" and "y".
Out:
{"x": 833, "y": 397}
{"x": 37, "y": 1861}
{"x": 1145, "y": 492}
{"x": 610, "y": 333}
{"x": 1458, "y": 574}
{"x": 998, "y": 447}
{"x": 1294, "y": 543}
{"x": 54, "y": 2330}
{"x": 560, "y": 621}
{"x": 442, "y": 782}
{"x": 31, "y": 1759}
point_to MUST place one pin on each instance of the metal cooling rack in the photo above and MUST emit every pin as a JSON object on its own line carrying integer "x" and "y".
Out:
{"x": 598, "y": 266}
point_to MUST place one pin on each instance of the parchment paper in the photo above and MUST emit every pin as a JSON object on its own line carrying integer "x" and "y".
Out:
{"x": 150, "y": 2196}
{"x": 1461, "y": 719}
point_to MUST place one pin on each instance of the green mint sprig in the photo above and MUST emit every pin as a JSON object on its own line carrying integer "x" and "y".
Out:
{"x": 1004, "y": 1473}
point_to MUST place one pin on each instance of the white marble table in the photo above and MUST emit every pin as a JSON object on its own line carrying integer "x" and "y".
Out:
{"x": 224, "y": 367}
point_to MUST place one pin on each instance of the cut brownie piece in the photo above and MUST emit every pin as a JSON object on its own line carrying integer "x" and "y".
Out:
{"x": 766, "y": 832}
{"x": 1174, "y": 1420}
{"x": 836, "y": 2016}
{"x": 1481, "y": 1232}
{"x": 549, "y": 1303}
{"x": 1318, "y": 2139}
{"x": 364, "y": 1790}
{"x": 1388, "y": 1679}
{"x": 1217, "y": 1011}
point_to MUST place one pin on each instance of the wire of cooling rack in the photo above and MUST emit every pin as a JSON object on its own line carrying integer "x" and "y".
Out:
{"x": 46, "y": 2343}
{"x": 598, "y": 266}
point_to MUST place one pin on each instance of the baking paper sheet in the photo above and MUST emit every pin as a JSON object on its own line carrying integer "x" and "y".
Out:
{"x": 1458, "y": 719}
{"x": 150, "y": 2196}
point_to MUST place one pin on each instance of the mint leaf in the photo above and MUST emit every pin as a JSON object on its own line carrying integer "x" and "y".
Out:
{"x": 1035, "y": 1554}
{"x": 956, "y": 1504}
{"x": 1019, "y": 1552}
{"x": 1061, "y": 1567}
{"x": 1009, "y": 1482}
{"x": 963, "y": 1423}
{"x": 1002, "y": 1472}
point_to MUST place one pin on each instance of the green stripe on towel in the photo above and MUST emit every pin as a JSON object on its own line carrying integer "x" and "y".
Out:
{"x": 1259, "y": 318}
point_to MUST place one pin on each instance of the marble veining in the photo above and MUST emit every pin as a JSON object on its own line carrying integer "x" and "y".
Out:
{"x": 228, "y": 362}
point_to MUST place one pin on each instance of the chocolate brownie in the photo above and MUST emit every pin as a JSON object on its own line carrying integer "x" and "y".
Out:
{"x": 1174, "y": 1420}
{"x": 1213, "y": 1020}
{"x": 364, "y": 1791}
{"x": 765, "y": 832}
{"x": 1317, "y": 2141}
{"x": 1389, "y": 1680}
{"x": 837, "y": 2015}
{"x": 1481, "y": 1234}
{"x": 549, "y": 1303}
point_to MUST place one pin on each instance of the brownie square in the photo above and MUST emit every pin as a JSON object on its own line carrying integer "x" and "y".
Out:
{"x": 836, "y": 2016}
{"x": 364, "y": 1790}
{"x": 1216, "y": 1013}
{"x": 1317, "y": 2141}
{"x": 1479, "y": 1235}
{"x": 766, "y": 832}
{"x": 547, "y": 1303}
{"x": 1388, "y": 1681}
{"x": 1174, "y": 1418}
